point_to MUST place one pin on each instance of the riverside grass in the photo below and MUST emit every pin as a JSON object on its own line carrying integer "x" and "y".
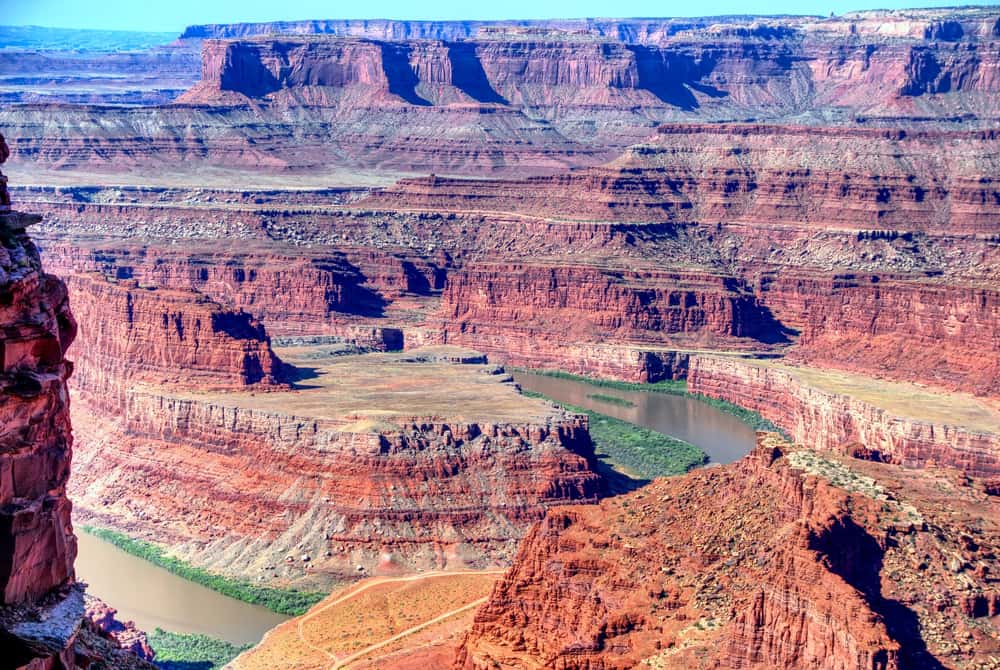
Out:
{"x": 185, "y": 651}
{"x": 282, "y": 601}
{"x": 671, "y": 387}
{"x": 610, "y": 399}
{"x": 644, "y": 453}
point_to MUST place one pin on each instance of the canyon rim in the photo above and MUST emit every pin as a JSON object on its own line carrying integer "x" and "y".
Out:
{"x": 412, "y": 344}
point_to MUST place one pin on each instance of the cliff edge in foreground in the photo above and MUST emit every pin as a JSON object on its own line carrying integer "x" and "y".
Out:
{"x": 42, "y": 619}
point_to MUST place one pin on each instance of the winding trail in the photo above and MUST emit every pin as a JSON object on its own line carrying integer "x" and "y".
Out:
{"x": 409, "y": 631}
{"x": 353, "y": 592}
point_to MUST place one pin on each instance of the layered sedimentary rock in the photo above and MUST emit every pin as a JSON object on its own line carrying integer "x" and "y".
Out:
{"x": 352, "y": 472}
{"x": 296, "y": 291}
{"x": 42, "y": 622}
{"x": 939, "y": 24}
{"x": 872, "y": 180}
{"x": 87, "y": 76}
{"x": 822, "y": 411}
{"x": 772, "y": 70}
{"x": 783, "y": 560}
{"x": 798, "y": 230}
{"x": 944, "y": 334}
{"x": 138, "y": 335}
{"x": 521, "y": 313}
{"x": 780, "y": 208}
{"x": 529, "y": 100}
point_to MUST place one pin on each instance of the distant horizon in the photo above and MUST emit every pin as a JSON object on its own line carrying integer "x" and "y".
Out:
{"x": 129, "y": 16}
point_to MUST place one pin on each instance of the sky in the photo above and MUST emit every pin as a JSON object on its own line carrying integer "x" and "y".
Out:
{"x": 174, "y": 15}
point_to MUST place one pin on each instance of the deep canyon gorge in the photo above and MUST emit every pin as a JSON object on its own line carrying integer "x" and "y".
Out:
{"x": 297, "y": 275}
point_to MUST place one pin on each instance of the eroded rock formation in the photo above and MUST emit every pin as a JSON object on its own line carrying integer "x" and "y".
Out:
{"x": 526, "y": 98}
{"x": 42, "y": 622}
{"x": 358, "y": 484}
{"x": 829, "y": 416}
{"x": 142, "y": 334}
{"x": 785, "y": 559}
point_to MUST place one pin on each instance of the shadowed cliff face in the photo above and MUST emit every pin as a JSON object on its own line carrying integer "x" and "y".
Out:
{"x": 772, "y": 69}
{"x": 465, "y": 98}
{"x": 37, "y": 546}
{"x": 785, "y": 559}
{"x": 42, "y": 619}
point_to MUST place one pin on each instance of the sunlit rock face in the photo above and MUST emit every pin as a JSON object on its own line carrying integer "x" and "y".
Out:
{"x": 42, "y": 621}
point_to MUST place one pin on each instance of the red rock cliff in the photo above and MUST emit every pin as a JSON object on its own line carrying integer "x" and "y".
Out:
{"x": 825, "y": 419}
{"x": 271, "y": 487}
{"x": 758, "y": 174}
{"x": 159, "y": 336}
{"x": 42, "y": 622}
{"x": 782, "y": 560}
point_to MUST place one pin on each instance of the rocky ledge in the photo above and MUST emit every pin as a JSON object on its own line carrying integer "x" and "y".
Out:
{"x": 842, "y": 412}
{"x": 355, "y": 470}
{"x": 786, "y": 559}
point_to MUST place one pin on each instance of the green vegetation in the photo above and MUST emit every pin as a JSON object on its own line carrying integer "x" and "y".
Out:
{"x": 671, "y": 387}
{"x": 642, "y": 452}
{"x": 611, "y": 399}
{"x": 747, "y": 416}
{"x": 283, "y": 601}
{"x": 180, "y": 651}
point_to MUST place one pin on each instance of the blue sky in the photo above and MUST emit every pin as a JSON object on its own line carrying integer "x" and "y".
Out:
{"x": 174, "y": 15}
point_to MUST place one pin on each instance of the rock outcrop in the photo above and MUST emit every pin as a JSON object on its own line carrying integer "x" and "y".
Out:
{"x": 530, "y": 99}
{"x": 139, "y": 334}
{"x": 828, "y": 416}
{"x": 785, "y": 559}
{"x": 871, "y": 180}
{"x": 42, "y": 622}
{"x": 349, "y": 469}
{"x": 519, "y": 313}
{"x": 125, "y": 635}
{"x": 36, "y": 536}
{"x": 946, "y": 334}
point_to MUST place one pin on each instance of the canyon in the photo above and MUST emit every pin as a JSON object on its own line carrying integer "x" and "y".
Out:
{"x": 305, "y": 257}
{"x": 43, "y": 622}
{"x": 401, "y": 98}
{"x": 788, "y": 558}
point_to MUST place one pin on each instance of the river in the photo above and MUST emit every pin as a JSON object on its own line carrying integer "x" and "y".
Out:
{"x": 154, "y": 597}
{"x": 720, "y": 435}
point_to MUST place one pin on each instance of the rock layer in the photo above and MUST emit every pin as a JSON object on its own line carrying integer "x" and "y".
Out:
{"x": 533, "y": 99}
{"x": 782, "y": 560}
{"x": 314, "y": 499}
{"x": 42, "y": 622}
{"x": 137, "y": 334}
{"x": 830, "y": 421}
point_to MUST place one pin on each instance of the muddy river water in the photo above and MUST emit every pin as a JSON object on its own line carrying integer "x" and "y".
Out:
{"x": 722, "y": 436}
{"x": 153, "y": 597}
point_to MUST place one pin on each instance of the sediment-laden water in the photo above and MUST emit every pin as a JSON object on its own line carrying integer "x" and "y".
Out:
{"x": 722, "y": 436}
{"x": 154, "y": 597}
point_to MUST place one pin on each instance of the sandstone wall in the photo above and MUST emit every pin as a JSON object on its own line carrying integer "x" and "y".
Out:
{"x": 947, "y": 335}
{"x": 426, "y": 494}
{"x": 38, "y": 546}
{"x": 135, "y": 334}
{"x": 654, "y": 576}
{"x": 772, "y": 69}
{"x": 759, "y": 174}
{"x": 832, "y": 422}
{"x": 531, "y": 313}
{"x": 42, "y": 621}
